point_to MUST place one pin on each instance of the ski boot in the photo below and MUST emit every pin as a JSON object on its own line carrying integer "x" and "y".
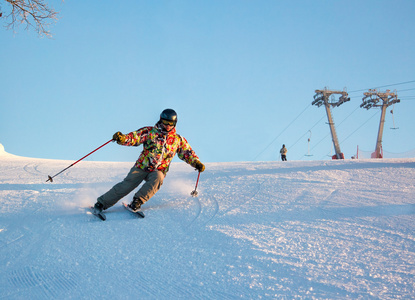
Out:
{"x": 97, "y": 211}
{"x": 135, "y": 205}
{"x": 98, "y": 208}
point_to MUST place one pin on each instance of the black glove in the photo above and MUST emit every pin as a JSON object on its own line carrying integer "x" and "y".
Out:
{"x": 118, "y": 137}
{"x": 199, "y": 166}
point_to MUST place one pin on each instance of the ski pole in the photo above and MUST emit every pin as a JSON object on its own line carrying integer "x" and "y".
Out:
{"x": 194, "y": 193}
{"x": 50, "y": 178}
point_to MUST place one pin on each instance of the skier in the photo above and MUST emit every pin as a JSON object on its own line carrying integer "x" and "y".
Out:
{"x": 283, "y": 152}
{"x": 160, "y": 145}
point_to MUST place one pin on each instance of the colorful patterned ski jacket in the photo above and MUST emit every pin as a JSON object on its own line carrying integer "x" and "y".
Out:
{"x": 159, "y": 148}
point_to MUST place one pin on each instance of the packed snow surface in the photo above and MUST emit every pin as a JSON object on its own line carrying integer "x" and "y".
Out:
{"x": 270, "y": 230}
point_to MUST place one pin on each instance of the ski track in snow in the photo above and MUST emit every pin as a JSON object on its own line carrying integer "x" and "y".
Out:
{"x": 304, "y": 230}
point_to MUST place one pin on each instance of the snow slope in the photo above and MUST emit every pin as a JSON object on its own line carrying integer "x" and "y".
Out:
{"x": 273, "y": 230}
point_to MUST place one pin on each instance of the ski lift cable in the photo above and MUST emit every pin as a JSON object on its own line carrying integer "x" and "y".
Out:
{"x": 387, "y": 85}
{"x": 405, "y": 98}
{"x": 406, "y": 90}
{"x": 376, "y": 113}
{"x": 349, "y": 115}
{"x": 282, "y": 132}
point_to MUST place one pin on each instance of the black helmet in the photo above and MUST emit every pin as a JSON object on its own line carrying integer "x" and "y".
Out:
{"x": 169, "y": 115}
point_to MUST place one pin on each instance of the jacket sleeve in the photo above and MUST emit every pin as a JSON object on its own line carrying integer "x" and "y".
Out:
{"x": 136, "y": 138}
{"x": 186, "y": 153}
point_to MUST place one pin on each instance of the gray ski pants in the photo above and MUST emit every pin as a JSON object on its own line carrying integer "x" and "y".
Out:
{"x": 153, "y": 181}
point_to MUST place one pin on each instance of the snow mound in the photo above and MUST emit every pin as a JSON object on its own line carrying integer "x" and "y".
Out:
{"x": 3, "y": 152}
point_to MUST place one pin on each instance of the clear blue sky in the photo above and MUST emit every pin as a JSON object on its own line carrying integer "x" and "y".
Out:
{"x": 240, "y": 74}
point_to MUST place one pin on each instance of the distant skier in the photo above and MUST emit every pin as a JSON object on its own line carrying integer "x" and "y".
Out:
{"x": 283, "y": 152}
{"x": 160, "y": 145}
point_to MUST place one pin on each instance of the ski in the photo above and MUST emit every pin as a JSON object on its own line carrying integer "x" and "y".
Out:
{"x": 138, "y": 213}
{"x": 99, "y": 215}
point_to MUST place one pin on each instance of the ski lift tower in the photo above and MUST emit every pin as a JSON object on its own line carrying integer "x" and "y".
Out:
{"x": 323, "y": 97}
{"x": 373, "y": 98}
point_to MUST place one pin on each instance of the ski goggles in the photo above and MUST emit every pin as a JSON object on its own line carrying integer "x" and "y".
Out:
{"x": 167, "y": 122}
